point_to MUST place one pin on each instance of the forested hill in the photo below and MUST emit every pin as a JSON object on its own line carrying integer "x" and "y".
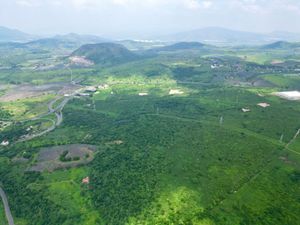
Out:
{"x": 105, "y": 53}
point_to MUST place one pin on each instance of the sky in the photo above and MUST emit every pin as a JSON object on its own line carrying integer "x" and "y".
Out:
{"x": 142, "y": 18}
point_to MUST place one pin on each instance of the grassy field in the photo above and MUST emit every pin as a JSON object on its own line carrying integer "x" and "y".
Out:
{"x": 65, "y": 188}
{"x": 27, "y": 108}
{"x": 288, "y": 81}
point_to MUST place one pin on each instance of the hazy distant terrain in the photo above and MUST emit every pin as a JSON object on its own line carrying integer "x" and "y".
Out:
{"x": 221, "y": 36}
{"x": 209, "y": 35}
{"x": 174, "y": 131}
{"x": 9, "y": 35}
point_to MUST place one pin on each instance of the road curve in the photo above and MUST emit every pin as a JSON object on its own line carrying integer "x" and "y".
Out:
{"x": 6, "y": 208}
{"x": 59, "y": 118}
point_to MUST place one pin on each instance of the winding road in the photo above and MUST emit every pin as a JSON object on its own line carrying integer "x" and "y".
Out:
{"x": 9, "y": 217}
{"x": 55, "y": 123}
{"x": 59, "y": 119}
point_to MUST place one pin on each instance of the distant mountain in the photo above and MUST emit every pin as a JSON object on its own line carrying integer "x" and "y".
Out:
{"x": 69, "y": 41}
{"x": 181, "y": 46}
{"x": 12, "y": 35}
{"x": 222, "y": 36}
{"x": 282, "y": 45}
{"x": 50, "y": 43}
{"x": 40, "y": 46}
{"x": 284, "y": 36}
{"x": 105, "y": 53}
{"x": 81, "y": 39}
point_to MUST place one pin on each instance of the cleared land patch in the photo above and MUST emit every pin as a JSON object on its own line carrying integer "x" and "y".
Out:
{"x": 29, "y": 91}
{"x": 289, "y": 95}
{"x": 4, "y": 124}
{"x": 49, "y": 159}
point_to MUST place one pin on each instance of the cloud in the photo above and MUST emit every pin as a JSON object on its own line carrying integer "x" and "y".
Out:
{"x": 84, "y": 4}
{"x": 192, "y": 4}
{"x": 252, "y": 6}
{"x": 27, "y": 3}
{"x": 184, "y": 4}
{"x": 38, "y": 3}
{"x": 207, "y": 4}
{"x": 265, "y": 7}
{"x": 149, "y": 15}
{"x": 121, "y": 2}
{"x": 56, "y": 3}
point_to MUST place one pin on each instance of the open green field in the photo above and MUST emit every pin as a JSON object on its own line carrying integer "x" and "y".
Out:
{"x": 288, "y": 81}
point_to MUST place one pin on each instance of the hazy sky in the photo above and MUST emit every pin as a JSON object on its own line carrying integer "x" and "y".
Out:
{"x": 129, "y": 18}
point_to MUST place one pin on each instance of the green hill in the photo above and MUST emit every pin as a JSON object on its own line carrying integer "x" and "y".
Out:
{"x": 81, "y": 39}
{"x": 105, "y": 53}
{"x": 282, "y": 45}
{"x": 8, "y": 35}
{"x": 50, "y": 43}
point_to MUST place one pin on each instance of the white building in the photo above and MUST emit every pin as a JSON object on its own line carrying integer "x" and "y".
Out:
{"x": 103, "y": 86}
{"x": 175, "y": 92}
{"x": 246, "y": 110}
{"x": 91, "y": 89}
{"x": 5, "y": 143}
{"x": 263, "y": 104}
{"x": 290, "y": 95}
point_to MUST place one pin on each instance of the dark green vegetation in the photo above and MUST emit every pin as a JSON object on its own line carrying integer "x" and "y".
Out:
{"x": 2, "y": 216}
{"x": 173, "y": 144}
{"x": 63, "y": 157}
{"x": 105, "y": 53}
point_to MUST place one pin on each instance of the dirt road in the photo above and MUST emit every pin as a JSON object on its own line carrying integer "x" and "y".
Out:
{"x": 291, "y": 141}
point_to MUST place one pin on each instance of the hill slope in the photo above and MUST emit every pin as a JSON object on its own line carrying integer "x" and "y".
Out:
{"x": 282, "y": 45}
{"x": 50, "y": 43}
{"x": 81, "y": 39}
{"x": 105, "y": 53}
{"x": 11, "y": 35}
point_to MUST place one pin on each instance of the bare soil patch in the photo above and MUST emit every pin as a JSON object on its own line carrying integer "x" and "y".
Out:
{"x": 29, "y": 91}
{"x": 48, "y": 159}
{"x": 175, "y": 92}
{"x": 81, "y": 61}
{"x": 289, "y": 95}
